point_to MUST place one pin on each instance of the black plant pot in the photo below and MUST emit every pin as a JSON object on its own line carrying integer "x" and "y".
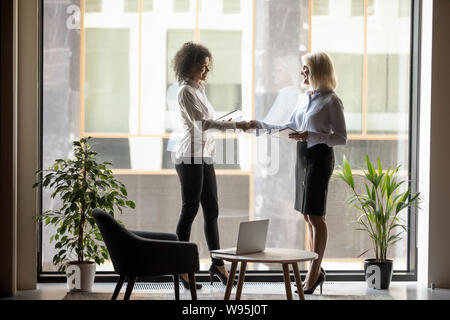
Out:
{"x": 378, "y": 274}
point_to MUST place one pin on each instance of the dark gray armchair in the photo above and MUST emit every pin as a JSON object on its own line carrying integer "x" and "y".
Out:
{"x": 139, "y": 253}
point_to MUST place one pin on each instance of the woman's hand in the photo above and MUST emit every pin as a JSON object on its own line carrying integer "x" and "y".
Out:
{"x": 254, "y": 124}
{"x": 299, "y": 136}
{"x": 243, "y": 125}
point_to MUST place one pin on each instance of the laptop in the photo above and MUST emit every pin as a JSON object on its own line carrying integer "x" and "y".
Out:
{"x": 251, "y": 238}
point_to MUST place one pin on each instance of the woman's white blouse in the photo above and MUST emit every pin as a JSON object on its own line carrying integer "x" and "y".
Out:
{"x": 322, "y": 115}
{"x": 197, "y": 117}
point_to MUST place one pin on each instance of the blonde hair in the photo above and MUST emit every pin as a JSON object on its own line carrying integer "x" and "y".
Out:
{"x": 321, "y": 70}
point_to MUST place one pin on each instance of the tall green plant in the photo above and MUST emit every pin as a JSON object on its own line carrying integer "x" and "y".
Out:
{"x": 380, "y": 205}
{"x": 83, "y": 184}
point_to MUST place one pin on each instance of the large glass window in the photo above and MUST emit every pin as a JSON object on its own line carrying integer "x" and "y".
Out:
{"x": 108, "y": 74}
{"x": 373, "y": 69}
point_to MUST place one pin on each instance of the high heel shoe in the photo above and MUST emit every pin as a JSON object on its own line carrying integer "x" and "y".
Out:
{"x": 186, "y": 284}
{"x": 321, "y": 271}
{"x": 213, "y": 270}
{"x": 319, "y": 282}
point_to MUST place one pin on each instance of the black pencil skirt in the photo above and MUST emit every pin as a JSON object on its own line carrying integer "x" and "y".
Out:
{"x": 313, "y": 171}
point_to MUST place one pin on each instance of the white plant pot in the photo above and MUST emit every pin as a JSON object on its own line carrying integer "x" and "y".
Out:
{"x": 80, "y": 276}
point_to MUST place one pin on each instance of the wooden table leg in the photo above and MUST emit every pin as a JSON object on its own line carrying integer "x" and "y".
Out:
{"x": 287, "y": 281}
{"x": 241, "y": 280}
{"x": 230, "y": 281}
{"x": 298, "y": 281}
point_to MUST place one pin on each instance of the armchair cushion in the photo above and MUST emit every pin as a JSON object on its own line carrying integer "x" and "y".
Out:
{"x": 155, "y": 235}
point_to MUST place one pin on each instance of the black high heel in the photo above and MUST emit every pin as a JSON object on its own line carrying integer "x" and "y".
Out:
{"x": 321, "y": 271}
{"x": 186, "y": 284}
{"x": 213, "y": 270}
{"x": 319, "y": 282}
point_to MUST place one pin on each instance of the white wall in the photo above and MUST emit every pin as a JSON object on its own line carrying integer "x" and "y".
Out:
{"x": 27, "y": 143}
{"x": 424, "y": 142}
{"x": 439, "y": 211}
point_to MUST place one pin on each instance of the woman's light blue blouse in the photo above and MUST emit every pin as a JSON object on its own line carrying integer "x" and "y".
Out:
{"x": 322, "y": 115}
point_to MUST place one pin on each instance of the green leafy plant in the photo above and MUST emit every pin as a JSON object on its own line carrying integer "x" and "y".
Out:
{"x": 83, "y": 184}
{"x": 380, "y": 205}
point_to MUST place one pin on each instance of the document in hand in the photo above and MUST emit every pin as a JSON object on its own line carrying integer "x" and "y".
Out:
{"x": 284, "y": 133}
{"x": 235, "y": 115}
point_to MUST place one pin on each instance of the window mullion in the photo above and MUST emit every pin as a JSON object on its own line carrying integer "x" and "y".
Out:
{"x": 82, "y": 66}
{"x": 140, "y": 6}
{"x": 365, "y": 71}
{"x": 197, "y": 18}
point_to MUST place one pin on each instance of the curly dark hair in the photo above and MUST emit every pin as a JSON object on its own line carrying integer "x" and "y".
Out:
{"x": 188, "y": 56}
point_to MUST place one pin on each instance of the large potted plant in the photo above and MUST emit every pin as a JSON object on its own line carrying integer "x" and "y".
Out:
{"x": 83, "y": 184}
{"x": 380, "y": 205}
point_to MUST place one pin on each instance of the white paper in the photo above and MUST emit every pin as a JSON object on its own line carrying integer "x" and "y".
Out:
{"x": 235, "y": 115}
{"x": 284, "y": 133}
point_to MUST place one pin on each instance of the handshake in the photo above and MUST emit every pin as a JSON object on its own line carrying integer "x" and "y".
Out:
{"x": 254, "y": 124}
{"x": 247, "y": 125}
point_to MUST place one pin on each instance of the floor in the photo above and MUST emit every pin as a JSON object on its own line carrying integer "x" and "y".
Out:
{"x": 397, "y": 290}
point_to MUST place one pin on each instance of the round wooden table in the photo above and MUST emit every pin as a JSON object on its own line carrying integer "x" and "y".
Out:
{"x": 283, "y": 256}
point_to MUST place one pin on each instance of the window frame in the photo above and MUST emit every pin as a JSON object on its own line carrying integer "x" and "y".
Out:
{"x": 413, "y": 135}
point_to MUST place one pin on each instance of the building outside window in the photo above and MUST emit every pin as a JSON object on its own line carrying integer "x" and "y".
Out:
{"x": 321, "y": 7}
{"x": 361, "y": 7}
{"x": 108, "y": 74}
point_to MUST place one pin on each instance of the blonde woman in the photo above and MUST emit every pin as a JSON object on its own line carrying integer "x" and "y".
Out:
{"x": 320, "y": 125}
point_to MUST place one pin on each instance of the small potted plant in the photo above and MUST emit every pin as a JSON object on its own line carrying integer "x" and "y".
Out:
{"x": 380, "y": 207}
{"x": 83, "y": 184}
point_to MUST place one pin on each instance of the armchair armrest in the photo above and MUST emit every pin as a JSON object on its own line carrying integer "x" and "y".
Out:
{"x": 155, "y": 235}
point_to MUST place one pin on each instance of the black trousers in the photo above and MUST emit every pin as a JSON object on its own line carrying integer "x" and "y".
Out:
{"x": 199, "y": 186}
